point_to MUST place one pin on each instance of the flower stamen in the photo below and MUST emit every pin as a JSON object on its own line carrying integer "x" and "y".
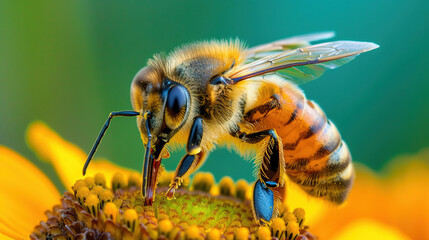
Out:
{"x": 130, "y": 219}
{"x": 92, "y": 204}
{"x": 100, "y": 180}
{"x": 118, "y": 181}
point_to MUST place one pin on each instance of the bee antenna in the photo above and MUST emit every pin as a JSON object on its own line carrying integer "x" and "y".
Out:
{"x": 101, "y": 134}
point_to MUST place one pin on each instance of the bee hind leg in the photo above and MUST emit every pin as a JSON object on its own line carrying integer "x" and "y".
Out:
{"x": 269, "y": 186}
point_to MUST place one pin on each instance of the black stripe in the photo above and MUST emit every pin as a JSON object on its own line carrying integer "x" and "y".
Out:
{"x": 292, "y": 117}
{"x": 334, "y": 142}
{"x": 264, "y": 109}
{"x": 304, "y": 135}
{"x": 298, "y": 164}
{"x": 334, "y": 166}
{"x": 337, "y": 161}
{"x": 335, "y": 190}
{"x": 321, "y": 152}
{"x": 342, "y": 188}
{"x": 299, "y": 106}
{"x": 290, "y": 146}
{"x": 315, "y": 128}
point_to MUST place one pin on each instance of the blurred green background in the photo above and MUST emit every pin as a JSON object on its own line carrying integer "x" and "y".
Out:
{"x": 70, "y": 63}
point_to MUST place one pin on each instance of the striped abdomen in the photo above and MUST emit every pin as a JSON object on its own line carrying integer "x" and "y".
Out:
{"x": 315, "y": 156}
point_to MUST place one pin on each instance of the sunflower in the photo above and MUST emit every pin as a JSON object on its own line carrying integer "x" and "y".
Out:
{"x": 108, "y": 204}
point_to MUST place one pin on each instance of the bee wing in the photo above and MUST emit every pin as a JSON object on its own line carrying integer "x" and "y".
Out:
{"x": 285, "y": 44}
{"x": 303, "y": 64}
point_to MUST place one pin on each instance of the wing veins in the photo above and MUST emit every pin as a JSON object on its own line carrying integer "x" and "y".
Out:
{"x": 310, "y": 55}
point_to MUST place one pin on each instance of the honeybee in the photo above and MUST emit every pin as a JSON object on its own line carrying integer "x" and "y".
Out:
{"x": 219, "y": 92}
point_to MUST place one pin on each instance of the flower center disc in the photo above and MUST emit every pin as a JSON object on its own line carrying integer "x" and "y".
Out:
{"x": 196, "y": 208}
{"x": 208, "y": 211}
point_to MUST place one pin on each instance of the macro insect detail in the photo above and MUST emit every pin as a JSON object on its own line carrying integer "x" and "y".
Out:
{"x": 219, "y": 92}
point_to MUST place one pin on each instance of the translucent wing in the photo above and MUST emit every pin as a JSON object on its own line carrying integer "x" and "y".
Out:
{"x": 285, "y": 44}
{"x": 303, "y": 64}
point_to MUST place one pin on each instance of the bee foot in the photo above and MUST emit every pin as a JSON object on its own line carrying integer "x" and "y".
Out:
{"x": 170, "y": 193}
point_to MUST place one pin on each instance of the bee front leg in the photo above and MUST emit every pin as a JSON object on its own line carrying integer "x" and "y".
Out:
{"x": 194, "y": 157}
{"x": 266, "y": 190}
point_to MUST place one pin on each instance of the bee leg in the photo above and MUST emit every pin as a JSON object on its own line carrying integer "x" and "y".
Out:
{"x": 195, "y": 137}
{"x": 272, "y": 165}
{"x": 194, "y": 157}
{"x": 186, "y": 167}
{"x": 268, "y": 187}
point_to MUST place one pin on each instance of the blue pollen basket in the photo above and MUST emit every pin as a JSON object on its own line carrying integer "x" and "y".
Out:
{"x": 263, "y": 201}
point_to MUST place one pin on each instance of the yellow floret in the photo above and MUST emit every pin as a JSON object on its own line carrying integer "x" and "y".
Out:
{"x": 81, "y": 194}
{"x": 241, "y": 233}
{"x": 177, "y": 234}
{"x": 241, "y": 189}
{"x": 249, "y": 193}
{"x": 134, "y": 180}
{"x": 79, "y": 183}
{"x": 130, "y": 219}
{"x": 162, "y": 216}
{"x": 214, "y": 190}
{"x": 278, "y": 227}
{"x": 289, "y": 217}
{"x": 292, "y": 230}
{"x": 105, "y": 196}
{"x": 283, "y": 209}
{"x": 165, "y": 226}
{"x": 300, "y": 216}
{"x": 97, "y": 190}
{"x": 193, "y": 232}
{"x": 92, "y": 204}
{"x": 90, "y": 183}
{"x": 213, "y": 234}
{"x": 111, "y": 211}
{"x": 153, "y": 233}
{"x": 226, "y": 186}
{"x": 263, "y": 233}
{"x": 118, "y": 181}
{"x": 100, "y": 180}
{"x": 203, "y": 181}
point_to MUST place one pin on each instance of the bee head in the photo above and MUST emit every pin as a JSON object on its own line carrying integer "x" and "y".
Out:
{"x": 164, "y": 101}
{"x": 163, "y": 105}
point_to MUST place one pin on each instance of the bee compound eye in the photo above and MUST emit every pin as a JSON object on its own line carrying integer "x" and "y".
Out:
{"x": 176, "y": 100}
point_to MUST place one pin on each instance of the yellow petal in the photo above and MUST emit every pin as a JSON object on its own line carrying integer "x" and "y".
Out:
{"x": 369, "y": 230}
{"x": 26, "y": 193}
{"x": 67, "y": 159}
{"x": 5, "y": 237}
{"x": 399, "y": 199}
